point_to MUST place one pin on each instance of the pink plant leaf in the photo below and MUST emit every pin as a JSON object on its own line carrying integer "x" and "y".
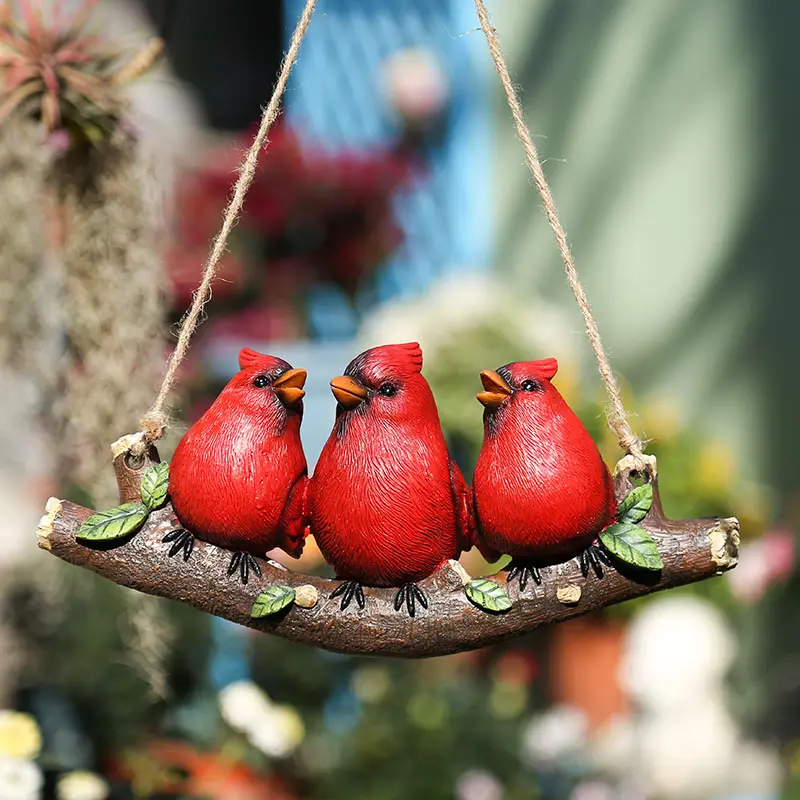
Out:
{"x": 17, "y": 43}
{"x": 72, "y": 56}
{"x": 84, "y": 43}
{"x": 16, "y": 98}
{"x": 33, "y": 19}
{"x": 17, "y": 74}
{"x": 56, "y": 11}
{"x": 50, "y": 79}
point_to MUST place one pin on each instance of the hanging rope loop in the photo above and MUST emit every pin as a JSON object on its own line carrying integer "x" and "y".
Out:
{"x": 155, "y": 421}
{"x": 616, "y": 414}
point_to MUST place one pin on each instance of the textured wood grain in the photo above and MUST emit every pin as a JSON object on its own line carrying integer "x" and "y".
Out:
{"x": 692, "y": 550}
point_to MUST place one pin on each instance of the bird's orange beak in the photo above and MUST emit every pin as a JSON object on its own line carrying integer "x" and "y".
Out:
{"x": 496, "y": 389}
{"x": 348, "y": 393}
{"x": 289, "y": 386}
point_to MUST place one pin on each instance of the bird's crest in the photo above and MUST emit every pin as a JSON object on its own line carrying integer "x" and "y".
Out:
{"x": 397, "y": 359}
{"x": 544, "y": 368}
{"x": 412, "y": 352}
{"x": 401, "y": 358}
{"x": 253, "y": 360}
{"x": 249, "y": 358}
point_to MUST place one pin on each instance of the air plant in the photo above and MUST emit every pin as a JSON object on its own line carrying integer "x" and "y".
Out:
{"x": 52, "y": 70}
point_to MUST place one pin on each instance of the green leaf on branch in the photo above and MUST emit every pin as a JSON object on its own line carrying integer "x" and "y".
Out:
{"x": 636, "y": 504}
{"x": 271, "y": 601}
{"x": 116, "y": 523}
{"x": 155, "y": 484}
{"x": 488, "y": 595}
{"x": 632, "y": 545}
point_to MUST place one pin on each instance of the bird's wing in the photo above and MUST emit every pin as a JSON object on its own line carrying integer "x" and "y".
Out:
{"x": 295, "y": 521}
{"x": 465, "y": 514}
{"x": 468, "y": 528}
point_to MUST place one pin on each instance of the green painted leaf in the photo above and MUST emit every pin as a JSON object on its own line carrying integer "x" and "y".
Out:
{"x": 271, "y": 601}
{"x": 116, "y": 523}
{"x": 155, "y": 483}
{"x": 632, "y": 545}
{"x": 636, "y": 504}
{"x": 488, "y": 595}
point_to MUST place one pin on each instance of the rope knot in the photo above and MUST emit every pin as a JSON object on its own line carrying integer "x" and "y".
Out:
{"x": 153, "y": 425}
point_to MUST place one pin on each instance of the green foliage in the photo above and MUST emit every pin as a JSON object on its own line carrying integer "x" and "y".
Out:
{"x": 115, "y": 523}
{"x": 632, "y": 545}
{"x": 488, "y": 595}
{"x": 271, "y": 601}
{"x": 636, "y": 504}
{"x": 155, "y": 484}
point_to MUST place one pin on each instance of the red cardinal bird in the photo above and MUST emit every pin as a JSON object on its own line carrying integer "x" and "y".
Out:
{"x": 542, "y": 492}
{"x": 238, "y": 478}
{"x": 388, "y": 504}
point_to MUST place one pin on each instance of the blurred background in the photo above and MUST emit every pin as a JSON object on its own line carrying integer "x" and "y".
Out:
{"x": 393, "y": 204}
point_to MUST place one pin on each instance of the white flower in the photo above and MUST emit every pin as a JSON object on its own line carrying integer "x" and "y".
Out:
{"x": 415, "y": 84}
{"x": 556, "y": 734}
{"x": 275, "y": 730}
{"x": 612, "y": 746}
{"x": 280, "y": 735}
{"x": 82, "y": 785}
{"x": 20, "y": 779}
{"x": 677, "y": 653}
{"x": 478, "y": 784}
{"x": 244, "y": 706}
{"x": 687, "y": 754}
{"x": 20, "y": 737}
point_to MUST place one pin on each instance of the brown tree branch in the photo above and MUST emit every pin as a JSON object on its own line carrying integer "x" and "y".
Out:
{"x": 692, "y": 550}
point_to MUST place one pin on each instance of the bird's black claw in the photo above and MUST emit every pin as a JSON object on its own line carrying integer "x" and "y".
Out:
{"x": 245, "y": 563}
{"x": 410, "y": 594}
{"x": 348, "y": 590}
{"x": 524, "y": 573}
{"x": 254, "y": 565}
{"x": 234, "y": 565}
{"x": 593, "y": 557}
{"x": 181, "y": 540}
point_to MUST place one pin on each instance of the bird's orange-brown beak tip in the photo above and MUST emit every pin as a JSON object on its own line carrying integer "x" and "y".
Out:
{"x": 349, "y": 393}
{"x": 293, "y": 378}
{"x": 289, "y": 395}
{"x": 289, "y": 386}
{"x": 496, "y": 389}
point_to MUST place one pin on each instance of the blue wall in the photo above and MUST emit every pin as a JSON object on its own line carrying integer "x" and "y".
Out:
{"x": 335, "y": 100}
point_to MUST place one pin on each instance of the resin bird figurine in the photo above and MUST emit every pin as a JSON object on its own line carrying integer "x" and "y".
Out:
{"x": 541, "y": 490}
{"x": 388, "y": 504}
{"x": 238, "y": 478}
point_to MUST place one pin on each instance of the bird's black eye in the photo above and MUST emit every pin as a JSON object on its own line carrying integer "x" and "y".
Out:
{"x": 387, "y": 389}
{"x": 261, "y": 381}
{"x": 529, "y": 386}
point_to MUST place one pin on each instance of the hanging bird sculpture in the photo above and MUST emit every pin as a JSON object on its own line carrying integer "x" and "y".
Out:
{"x": 542, "y": 492}
{"x": 238, "y": 478}
{"x": 388, "y": 504}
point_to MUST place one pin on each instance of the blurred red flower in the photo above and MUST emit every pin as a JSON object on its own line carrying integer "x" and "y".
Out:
{"x": 310, "y": 217}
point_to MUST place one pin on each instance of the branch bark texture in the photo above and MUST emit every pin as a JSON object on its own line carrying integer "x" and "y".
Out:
{"x": 691, "y": 550}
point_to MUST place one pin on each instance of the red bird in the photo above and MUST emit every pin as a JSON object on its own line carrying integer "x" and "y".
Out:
{"x": 541, "y": 489}
{"x": 388, "y": 504}
{"x": 238, "y": 478}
